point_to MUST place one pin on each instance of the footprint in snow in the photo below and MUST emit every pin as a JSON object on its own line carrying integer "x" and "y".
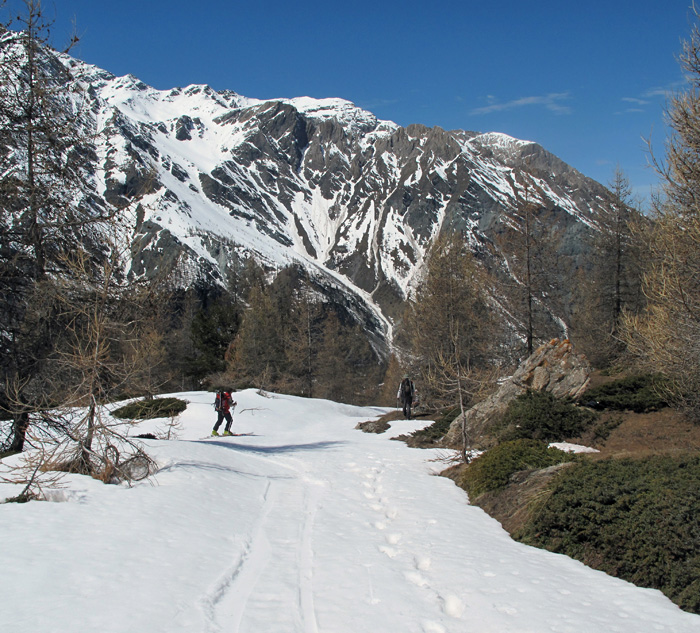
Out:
{"x": 422, "y": 562}
{"x": 452, "y": 606}
{"x": 416, "y": 578}
{"x": 392, "y": 513}
{"x": 389, "y": 551}
{"x": 433, "y": 627}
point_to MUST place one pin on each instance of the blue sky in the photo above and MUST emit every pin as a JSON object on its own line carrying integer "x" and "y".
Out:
{"x": 588, "y": 81}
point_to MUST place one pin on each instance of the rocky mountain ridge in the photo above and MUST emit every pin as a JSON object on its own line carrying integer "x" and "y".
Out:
{"x": 209, "y": 177}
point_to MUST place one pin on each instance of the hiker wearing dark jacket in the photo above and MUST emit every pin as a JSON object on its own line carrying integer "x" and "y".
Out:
{"x": 405, "y": 394}
{"x": 224, "y": 405}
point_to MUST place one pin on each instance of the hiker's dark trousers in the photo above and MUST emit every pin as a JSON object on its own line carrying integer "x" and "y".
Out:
{"x": 220, "y": 419}
{"x": 407, "y": 402}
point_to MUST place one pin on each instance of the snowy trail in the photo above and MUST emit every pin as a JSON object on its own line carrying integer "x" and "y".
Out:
{"x": 306, "y": 526}
{"x": 274, "y": 574}
{"x": 228, "y": 600}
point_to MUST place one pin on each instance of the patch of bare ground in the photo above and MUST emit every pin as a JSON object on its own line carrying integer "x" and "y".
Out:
{"x": 373, "y": 426}
{"x": 383, "y": 423}
{"x": 644, "y": 434}
{"x": 630, "y": 434}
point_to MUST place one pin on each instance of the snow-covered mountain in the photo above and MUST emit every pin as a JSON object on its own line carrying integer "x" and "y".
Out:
{"x": 210, "y": 177}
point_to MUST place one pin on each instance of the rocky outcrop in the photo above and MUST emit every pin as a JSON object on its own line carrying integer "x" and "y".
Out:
{"x": 553, "y": 367}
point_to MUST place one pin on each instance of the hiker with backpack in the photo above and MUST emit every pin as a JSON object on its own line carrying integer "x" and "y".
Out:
{"x": 224, "y": 405}
{"x": 406, "y": 393}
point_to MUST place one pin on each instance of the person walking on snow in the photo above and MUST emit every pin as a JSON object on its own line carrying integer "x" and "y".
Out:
{"x": 406, "y": 392}
{"x": 224, "y": 405}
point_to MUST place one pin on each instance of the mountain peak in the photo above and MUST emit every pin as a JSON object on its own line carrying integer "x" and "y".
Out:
{"x": 213, "y": 176}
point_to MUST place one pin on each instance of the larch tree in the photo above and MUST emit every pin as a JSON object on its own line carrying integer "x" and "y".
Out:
{"x": 302, "y": 342}
{"x": 43, "y": 210}
{"x": 392, "y": 378}
{"x": 526, "y": 245}
{"x": 212, "y": 328}
{"x": 453, "y": 331}
{"x": 256, "y": 354}
{"x": 332, "y": 361}
{"x": 51, "y": 225}
{"x": 347, "y": 368}
{"x": 94, "y": 362}
{"x": 665, "y": 336}
{"x": 611, "y": 285}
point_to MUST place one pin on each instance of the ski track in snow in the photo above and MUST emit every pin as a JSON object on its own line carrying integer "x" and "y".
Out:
{"x": 227, "y": 601}
{"x": 243, "y": 592}
{"x": 306, "y": 559}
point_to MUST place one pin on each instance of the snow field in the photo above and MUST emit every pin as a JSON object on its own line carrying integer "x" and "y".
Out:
{"x": 307, "y": 526}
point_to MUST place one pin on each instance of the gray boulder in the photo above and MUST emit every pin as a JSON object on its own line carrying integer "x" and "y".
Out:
{"x": 553, "y": 367}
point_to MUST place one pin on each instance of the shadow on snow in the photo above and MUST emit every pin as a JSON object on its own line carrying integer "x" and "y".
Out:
{"x": 220, "y": 468}
{"x": 272, "y": 450}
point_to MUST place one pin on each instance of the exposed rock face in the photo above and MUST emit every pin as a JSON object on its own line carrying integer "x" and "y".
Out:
{"x": 553, "y": 367}
{"x": 556, "y": 368}
{"x": 356, "y": 201}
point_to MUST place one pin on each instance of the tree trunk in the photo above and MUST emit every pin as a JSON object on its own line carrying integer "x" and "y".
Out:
{"x": 19, "y": 430}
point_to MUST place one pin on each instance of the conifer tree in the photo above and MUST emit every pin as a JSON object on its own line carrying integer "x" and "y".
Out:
{"x": 146, "y": 350}
{"x": 212, "y": 329}
{"x": 449, "y": 303}
{"x": 611, "y": 285}
{"x": 665, "y": 337}
{"x": 43, "y": 211}
{"x": 348, "y": 369}
{"x": 333, "y": 366}
{"x": 526, "y": 244}
{"x": 392, "y": 378}
{"x": 302, "y": 341}
{"x": 90, "y": 364}
{"x": 453, "y": 331}
{"x": 256, "y": 354}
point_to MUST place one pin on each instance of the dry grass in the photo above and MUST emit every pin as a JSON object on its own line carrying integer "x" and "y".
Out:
{"x": 656, "y": 433}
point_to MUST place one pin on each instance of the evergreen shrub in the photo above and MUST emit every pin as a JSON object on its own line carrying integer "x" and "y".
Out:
{"x": 539, "y": 415}
{"x": 493, "y": 469}
{"x": 148, "y": 409}
{"x": 635, "y": 519}
{"x": 438, "y": 429}
{"x": 639, "y": 393}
